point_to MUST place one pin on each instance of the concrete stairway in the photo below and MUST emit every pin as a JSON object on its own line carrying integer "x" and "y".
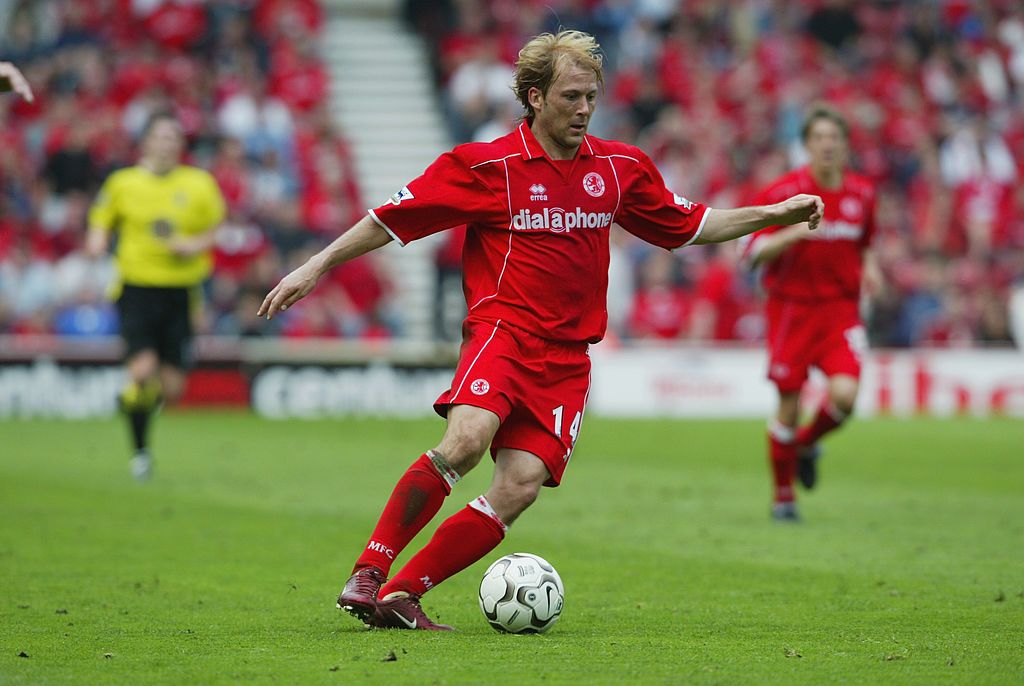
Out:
{"x": 383, "y": 98}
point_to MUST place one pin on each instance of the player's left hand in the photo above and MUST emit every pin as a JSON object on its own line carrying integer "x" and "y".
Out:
{"x": 11, "y": 79}
{"x": 872, "y": 278}
{"x": 290, "y": 290}
{"x": 801, "y": 208}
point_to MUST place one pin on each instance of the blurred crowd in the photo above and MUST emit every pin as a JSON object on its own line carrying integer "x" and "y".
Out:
{"x": 715, "y": 93}
{"x": 246, "y": 79}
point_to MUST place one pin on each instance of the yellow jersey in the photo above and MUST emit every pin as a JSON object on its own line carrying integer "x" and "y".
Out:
{"x": 146, "y": 210}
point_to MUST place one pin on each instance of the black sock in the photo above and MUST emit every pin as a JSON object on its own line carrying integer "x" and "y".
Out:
{"x": 139, "y": 422}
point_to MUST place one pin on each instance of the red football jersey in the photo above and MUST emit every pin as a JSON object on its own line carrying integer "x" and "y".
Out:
{"x": 536, "y": 251}
{"x": 828, "y": 264}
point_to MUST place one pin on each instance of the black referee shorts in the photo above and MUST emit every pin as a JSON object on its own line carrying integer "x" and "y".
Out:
{"x": 157, "y": 319}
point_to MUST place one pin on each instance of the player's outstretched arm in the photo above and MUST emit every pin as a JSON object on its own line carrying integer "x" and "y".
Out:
{"x": 726, "y": 225}
{"x": 11, "y": 79}
{"x": 364, "y": 236}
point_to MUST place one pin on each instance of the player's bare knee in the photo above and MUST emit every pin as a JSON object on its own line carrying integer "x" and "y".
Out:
{"x": 843, "y": 396}
{"x": 788, "y": 413}
{"x": 463, "y": 449}
{"x": 142, "y": 365}
{"x": 845, "y": 402}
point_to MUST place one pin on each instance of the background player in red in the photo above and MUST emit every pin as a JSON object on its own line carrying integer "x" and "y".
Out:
{"x": 814, "y": 283}
{"x": 538, "y": 204}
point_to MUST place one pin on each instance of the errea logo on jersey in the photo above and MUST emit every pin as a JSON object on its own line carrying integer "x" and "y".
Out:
{"x": 538, "y": 192}
{"x": 560, "y": 221}
{"x": 404, "y": 194}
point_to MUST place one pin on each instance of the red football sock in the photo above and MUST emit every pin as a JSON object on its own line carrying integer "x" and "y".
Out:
{"x": 829, "y": 417}
{"x": 783, "y": 453}
{"x": 414, "y": 502}
{"x": 461, "y": 540}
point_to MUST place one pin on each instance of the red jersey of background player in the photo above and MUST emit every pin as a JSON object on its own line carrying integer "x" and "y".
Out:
{"x": 536, "y": 251}
{"x": 826, "y": 265}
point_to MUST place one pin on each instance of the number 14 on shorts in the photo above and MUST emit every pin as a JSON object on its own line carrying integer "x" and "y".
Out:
{"x": 574, "y": 428}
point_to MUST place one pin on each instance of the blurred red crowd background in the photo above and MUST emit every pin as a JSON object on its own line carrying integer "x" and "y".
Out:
{"x": 714, "y": 92}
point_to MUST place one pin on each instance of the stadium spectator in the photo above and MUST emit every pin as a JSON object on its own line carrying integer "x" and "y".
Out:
{"x": 71, "y": 166}
{"x": 259, "y": 120}
{"x": 26, "y": 286}
{"x": 661, "y": 306}
{"x": 524, "y": 358}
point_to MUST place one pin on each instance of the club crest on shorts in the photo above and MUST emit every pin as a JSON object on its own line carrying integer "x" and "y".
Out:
{"x": 593, "y": 184}
{"x": 479, "y": 386}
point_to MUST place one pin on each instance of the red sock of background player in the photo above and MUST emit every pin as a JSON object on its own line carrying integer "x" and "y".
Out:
{"x": 782, "y": 451}
{"x": 829, "y": 418}
{"x": 461, "y": 540}
{"x": 414, "y": 502}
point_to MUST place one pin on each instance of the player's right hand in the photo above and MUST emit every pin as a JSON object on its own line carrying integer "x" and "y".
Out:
{"x": 290, "y": 290}
{"x": 801, "y": 208}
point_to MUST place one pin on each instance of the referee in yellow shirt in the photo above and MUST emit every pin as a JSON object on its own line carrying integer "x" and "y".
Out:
{"x": 165, "y": 214}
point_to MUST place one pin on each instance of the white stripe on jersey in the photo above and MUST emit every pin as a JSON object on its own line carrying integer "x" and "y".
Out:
{"x": 525, "y": 146}
{"x": 618, "y": 187}
{"x": 508, "y": 196}
{"x": 499, "y": 159}
{"x": 387, "y": 228}
{"x": 700, "y": 228}
{"x": 627, "y": 157}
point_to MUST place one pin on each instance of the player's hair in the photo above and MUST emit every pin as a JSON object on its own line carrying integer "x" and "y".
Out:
{"x": 544, "y": 56}
{"x": 155, "y": 118}
{"x": 821, "y": 111}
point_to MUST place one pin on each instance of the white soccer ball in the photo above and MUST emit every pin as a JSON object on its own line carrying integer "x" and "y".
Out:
{"x": 521, "y": 594}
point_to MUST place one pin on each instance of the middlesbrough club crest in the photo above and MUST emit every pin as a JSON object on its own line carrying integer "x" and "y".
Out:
{"x": 480, "y": 386}
{"x": 593, "y": 184}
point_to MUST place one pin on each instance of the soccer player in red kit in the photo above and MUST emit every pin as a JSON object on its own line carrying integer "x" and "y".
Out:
{"x": 538, "y": 204}
{"x": 813, "y": 280}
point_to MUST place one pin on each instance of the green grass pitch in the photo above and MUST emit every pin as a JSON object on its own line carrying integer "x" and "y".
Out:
{"x": 909, "y": 568}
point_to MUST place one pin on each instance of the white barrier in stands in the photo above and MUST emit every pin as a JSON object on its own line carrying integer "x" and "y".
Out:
{"x": 48, "y": 378}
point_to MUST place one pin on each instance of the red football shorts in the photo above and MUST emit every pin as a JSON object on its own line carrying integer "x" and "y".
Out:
{"x": 538, "y": 389}
{"x": 827, "y": 335}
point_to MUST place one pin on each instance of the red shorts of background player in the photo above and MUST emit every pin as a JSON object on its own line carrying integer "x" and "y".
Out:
{"x": 538, "y": 388}
{"x": 827, "y": 335}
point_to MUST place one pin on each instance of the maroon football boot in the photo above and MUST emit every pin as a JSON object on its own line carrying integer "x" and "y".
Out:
{"x": 359, "y": 597}
{"x": 404, "y": 612}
